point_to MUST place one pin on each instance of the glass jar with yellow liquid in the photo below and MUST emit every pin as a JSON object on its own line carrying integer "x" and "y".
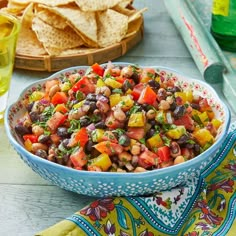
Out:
{"x": 223, "y": 27}
{"x": 9, "y": 29}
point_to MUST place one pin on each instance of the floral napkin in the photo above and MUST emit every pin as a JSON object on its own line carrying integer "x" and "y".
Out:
{"x": 204, "y": 206}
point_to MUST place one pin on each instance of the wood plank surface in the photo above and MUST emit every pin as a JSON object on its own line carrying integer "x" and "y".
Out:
{"x": 27, "y": 202}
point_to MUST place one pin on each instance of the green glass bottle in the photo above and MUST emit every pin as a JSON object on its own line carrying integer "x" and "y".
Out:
{"x": 223, "y": 26}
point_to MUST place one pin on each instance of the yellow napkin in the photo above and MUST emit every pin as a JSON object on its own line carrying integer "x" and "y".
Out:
{"x": 205, "y": 207}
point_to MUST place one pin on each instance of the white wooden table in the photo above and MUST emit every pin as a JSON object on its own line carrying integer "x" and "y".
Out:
{"x": 28, "y": 203}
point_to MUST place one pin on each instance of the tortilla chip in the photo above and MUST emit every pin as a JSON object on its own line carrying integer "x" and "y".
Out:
{"x": 137, "y": 14}
{"x": 123, "y": 10}
{"x": 112, "y": 27}
{"x": 52, "y": 19}
{"x": 96, "y": 5}
{"x": 55, "y": 40}
{"x": 134, "y": 26}
{"x": 27, "y": 43}
{"x": 84, "y": 23}
{"x": 53, "y": 3}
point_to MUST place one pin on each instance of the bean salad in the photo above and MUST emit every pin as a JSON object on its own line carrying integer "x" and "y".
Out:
{"x": 116, "y": 119}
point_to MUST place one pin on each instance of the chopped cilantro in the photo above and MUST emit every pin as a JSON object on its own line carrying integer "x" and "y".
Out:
{"x": 74, "y": 125}
{"x": 116, "y": 90}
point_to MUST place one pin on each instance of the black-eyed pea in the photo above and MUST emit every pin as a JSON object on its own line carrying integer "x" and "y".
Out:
{"x": 125, "y": 157}
{"x": 37, "y": 146}
{"x": 139, "y": 169}
{"x": 120, "y": 170}
{"x": 179, "y": 159}
{"x": 102, "y": 106}
{"x": 164, "y": 105}
{"x": 127, "y": 72}
{"x": 136, "y": 149}
{"x": 151, "y": 114}
{"x": 55, "y": 88}
{"x": 37, "y": 130}
{"x": 119, "y": 114}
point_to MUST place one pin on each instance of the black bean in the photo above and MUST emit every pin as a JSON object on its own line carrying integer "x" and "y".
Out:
{"x": 173, "y": 106}
{"x": 197, "y": 149}
{"x": 21, "y": 129}
{"x": 34, "y": 116}
{"x": 150, "y": 133}
{"x": 195, "y": 106}
{"x": 63, "y": 132}
{"x": 41, "y": 153}
{"x": 152, "y": 122}
{"x": 65, "y": 142}
{"x": 89, "y": 146}
{"x": 154, "y": 84}
{"x": 91, "y": 97}
{"x": 183, "y": 139}
{"x": 135, "y": 77}
{"x": 84, "y": 121}
{"x": 100, "y": 125}
{"x": 189, "y": 145}
{"x": 179, "y": 111}
{"x": 124, "y": 140}
{"x": 93, "y": 106}
{"x": 43, "y": 138}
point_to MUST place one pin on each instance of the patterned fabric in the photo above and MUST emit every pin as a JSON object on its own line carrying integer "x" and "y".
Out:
{"x": 205, "y": 206}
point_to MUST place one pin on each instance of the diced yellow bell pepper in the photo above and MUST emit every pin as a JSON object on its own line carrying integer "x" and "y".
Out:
{"x": 65, "y": 86}
{"x": 129, "y": 91}
{"x": 182, "y": 95}
{"x": 114, "y": 99}
{"x": 155, "y": 141}
{"x": 97, "y": 135}
{"x": 103, "y": 161}
{"x": 216, "y": 123}
{"x": 204, "y": 117}
{"x": 136, "y": 120}
{"x": 113, "y": 83}
{"x": 100, "y": 83}
{"x": 203, "y": 136}
{"x": 35, "y": 96}
{"x": 189, "y": 96}
{"x": 28, "y": 145}
{"x": 195, "y": 112}
{"x": 177, "y": 132}
{"x": 126, "y": 102}
{"x": 78, "y": 105}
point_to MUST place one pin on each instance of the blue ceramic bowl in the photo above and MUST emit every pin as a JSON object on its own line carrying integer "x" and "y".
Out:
{"x": 103, "y": 184}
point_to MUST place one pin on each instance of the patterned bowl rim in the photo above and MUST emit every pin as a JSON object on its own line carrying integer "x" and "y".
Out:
{"x": 175, "y": 168}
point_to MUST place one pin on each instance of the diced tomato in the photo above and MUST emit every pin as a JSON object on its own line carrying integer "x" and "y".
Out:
{"x": 120, "y": 79}
{"x": 61, "y": 108}
{"x": 81, "y": 137}
{"x": 31, "y": 137}
{"x": 164, "y": 153}
{"x": 109, "y": 148}
{"x": 137, "y": 91}
{"x": 185, "y": 120}
{"x": 112, "y": 122}
{"x": 56, "y": 120}
{"x": 59, "y": 98}
{"x": 79, "y": 158}
{"x": 97, "y": 69}
{"x": 84, "y": 85}
{"x": 147, "y": 96}
{"x": 109, "y": 136}
{"x": 135, "y": 133}
{"x": 147, "y": 159}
